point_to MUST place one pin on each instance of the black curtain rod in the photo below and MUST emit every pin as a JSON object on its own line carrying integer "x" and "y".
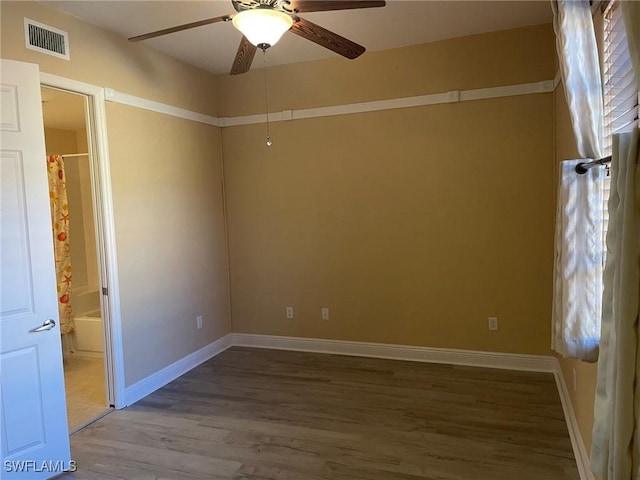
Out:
{"x": 584, "y": 167}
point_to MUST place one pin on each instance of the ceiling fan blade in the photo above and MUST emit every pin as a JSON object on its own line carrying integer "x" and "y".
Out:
{"x": 327, "y": 38}
{"x": 186, "y": 26}
{"x": 326, "y": 5}
{"x": 244, "y": 57}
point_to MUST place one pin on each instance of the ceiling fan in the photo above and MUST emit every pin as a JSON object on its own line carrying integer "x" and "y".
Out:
{"x": 263, "y": 22}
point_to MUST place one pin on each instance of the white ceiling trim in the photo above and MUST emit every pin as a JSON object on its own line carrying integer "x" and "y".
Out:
{"x": 544, "y": 86}
{"x": 138, "y": 102}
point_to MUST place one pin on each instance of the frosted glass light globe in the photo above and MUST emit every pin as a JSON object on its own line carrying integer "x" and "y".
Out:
{"x": 262, "y": 26}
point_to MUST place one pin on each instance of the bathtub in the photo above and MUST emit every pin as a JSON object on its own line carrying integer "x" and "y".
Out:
{"x": 88, "y": 334}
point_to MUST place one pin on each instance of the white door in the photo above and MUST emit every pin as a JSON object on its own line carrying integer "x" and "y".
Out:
{"x": 34, "y": 433}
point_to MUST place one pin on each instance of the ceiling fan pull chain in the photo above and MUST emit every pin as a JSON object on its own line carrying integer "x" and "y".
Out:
{"x": 266, "y": 96}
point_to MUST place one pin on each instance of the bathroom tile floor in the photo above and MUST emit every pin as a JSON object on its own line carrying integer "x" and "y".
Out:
{"x": 85, "y": 388}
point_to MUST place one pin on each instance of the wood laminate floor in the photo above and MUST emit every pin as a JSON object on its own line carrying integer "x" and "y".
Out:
{"x": 251, "y": 414}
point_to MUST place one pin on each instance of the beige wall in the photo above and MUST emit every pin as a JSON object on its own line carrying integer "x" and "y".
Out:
{"x": 88, "y": 222}
{"x": 494, "y": 59}
{"x": 412, "y": 225}
{"x": 166, "y": 181}
{"x": 582, "y": 397}
{"x": 58, "y": 140}
{"x": 170, "y": 234}
{"x": 108, "y": 60}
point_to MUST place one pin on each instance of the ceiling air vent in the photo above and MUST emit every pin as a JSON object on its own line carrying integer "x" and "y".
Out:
{"x": 45, "y": 39}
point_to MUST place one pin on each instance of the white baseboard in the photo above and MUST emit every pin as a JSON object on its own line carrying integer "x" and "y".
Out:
{"x": 508, "y": 361}
{"x": 579, "y": 450}
{"x": 169, "y": 373}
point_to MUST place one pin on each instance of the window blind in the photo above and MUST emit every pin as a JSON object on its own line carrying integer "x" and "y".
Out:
{"x": 620, "y": 85}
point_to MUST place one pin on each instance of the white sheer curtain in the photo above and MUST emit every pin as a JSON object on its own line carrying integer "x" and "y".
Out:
{"x": 615, "y": 448}
{"x": 580, "y": 71}
{"x": 577, "y": 271}
{"x": 579, "y": 261}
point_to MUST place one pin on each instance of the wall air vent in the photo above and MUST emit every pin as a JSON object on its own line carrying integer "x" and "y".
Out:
{"x": 45, "y": 39}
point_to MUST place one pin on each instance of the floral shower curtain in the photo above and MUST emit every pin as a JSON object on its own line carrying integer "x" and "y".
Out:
{"x": 61, "y": 245}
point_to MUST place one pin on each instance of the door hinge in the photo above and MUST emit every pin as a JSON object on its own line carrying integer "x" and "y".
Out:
{"x": 105, "y": 291}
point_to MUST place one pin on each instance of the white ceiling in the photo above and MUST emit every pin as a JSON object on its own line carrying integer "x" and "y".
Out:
{"x": 213, "y": 47}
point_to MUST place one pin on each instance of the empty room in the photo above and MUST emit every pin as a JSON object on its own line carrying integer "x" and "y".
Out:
{"x": 314, "y": 240}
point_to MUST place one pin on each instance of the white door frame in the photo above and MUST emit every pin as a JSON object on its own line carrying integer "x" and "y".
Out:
{"x": 101, "y": 178}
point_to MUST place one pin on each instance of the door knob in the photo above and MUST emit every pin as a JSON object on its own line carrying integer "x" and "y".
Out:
{"x": 47, "y": 325}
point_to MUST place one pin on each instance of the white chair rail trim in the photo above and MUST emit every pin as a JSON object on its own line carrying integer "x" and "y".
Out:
{"x": 545, "y": 86}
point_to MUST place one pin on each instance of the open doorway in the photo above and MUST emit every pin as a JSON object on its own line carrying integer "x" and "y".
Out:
{"x": 77, "y": 244}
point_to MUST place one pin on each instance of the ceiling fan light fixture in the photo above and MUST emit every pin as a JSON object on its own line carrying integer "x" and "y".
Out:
{"x": 263, "y": 27}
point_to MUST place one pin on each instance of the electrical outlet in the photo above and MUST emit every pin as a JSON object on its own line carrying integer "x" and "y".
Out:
{"x": 199, "y": 322}
{"x": 325, "y": 314}
{"x": 493, "y": 323}
{"x": 574, "y": 377}
{"x": 289, "y": 312}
